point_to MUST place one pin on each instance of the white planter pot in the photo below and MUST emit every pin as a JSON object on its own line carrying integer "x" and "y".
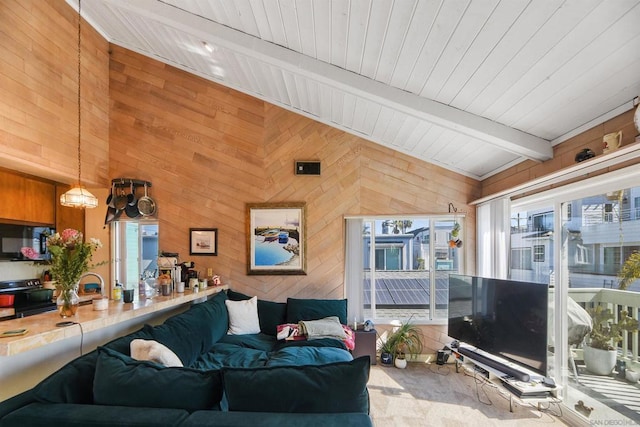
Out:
{"x": 599, "y": 362}
{"x": 400, "y": 363}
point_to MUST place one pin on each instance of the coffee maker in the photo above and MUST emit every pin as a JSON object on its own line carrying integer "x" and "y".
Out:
{"x": 188, "y": 272}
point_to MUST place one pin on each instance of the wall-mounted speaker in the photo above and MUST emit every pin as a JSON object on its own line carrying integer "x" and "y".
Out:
{"x": 307, "y": 168}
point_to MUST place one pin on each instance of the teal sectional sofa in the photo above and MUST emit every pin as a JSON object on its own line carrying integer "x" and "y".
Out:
{"x": 227, "y": 380}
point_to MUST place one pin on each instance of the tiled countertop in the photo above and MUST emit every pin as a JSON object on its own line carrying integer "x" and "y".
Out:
{"x": 42, "y": 329}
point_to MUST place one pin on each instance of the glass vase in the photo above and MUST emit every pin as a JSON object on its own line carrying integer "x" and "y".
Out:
{"x": 68, "y": 302}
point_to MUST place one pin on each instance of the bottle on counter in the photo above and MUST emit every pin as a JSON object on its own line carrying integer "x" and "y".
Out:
{"x": 142, "y": 291}
{"x": 116, "y": 293}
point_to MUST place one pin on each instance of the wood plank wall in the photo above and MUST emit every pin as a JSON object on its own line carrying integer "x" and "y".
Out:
{"x": 38, "y": 105}
{"x": 564, "y": 155}
{"x": 209, "y": 150}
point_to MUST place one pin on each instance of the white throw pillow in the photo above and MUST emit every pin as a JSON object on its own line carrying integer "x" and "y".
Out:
{"x": 154, "y": 352}
{"x": 243, "y": 317}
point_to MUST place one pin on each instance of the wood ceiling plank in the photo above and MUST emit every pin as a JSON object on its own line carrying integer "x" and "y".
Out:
{"x": 503, "y": 53}
{"x": 471, "y": 24}
{"x": 358, "y": 26}
{"x": 378, "y": 23}
{"x": 488, "y": 38}
{"x": 402, "y": 15}
{"x": 306, "y": 27}
{"x": 545, "y": 46}
{"x": 261, "y": 20}
{"x": 417, "y": 33}
{"x": 597, "y": 94}
{"x": 291, "y": 24}
{"x": 322, "y": 28}
{"x": 278, "y": 32}
{"x": 339, "y": 32}
{"x": 559, "y": 70}
{"x": 442, "y": 29}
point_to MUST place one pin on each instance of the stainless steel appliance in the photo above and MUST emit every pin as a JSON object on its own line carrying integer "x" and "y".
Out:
{"x": 29, "y": 297}
{"x": 14, "y": 237}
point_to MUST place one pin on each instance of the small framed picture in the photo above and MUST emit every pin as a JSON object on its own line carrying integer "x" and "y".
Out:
{"x": 276, "y": 234}
{"x": 203, "y": 241}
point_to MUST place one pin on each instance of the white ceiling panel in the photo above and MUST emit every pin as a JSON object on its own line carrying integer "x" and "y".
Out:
{"x": 473, "y": 86}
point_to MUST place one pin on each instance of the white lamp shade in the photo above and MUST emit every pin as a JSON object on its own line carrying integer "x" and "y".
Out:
{"x": 78, "y": 197}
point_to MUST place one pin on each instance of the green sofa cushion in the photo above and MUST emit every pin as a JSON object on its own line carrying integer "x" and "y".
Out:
{"x": 270, "y": 313}
{"x": 334, "y": 388}
{"x": 75, "y": 415}
{"x": 261, "y": 419}
{"x": 297, "y": 356}
{"x": 236, "y": 296}
{"x": 73, "y": 383}
{"x": 314, "y": 309}
{"x": 256, "y": 341}
{"x": 223, "y": 354}
{"x": 122, "y": 381}
{"x": 193, "y": 332}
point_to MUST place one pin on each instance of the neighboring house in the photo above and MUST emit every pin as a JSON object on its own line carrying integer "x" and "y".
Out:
{"x": 599, "y": 238}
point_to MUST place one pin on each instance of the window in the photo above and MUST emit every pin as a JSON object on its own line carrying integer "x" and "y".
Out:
{"x": 521, "y": 258}
{"x": 581, "y": 254}
{"x": 538, "y": 253}
{"x": 411, "y": 258}
{"x": 135, "y": 251}
{"x": 388, "y": 257}
{"x": 542, "y": 222}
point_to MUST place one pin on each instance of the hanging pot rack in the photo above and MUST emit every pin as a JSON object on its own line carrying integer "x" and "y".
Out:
{"x": 128, "y": 182}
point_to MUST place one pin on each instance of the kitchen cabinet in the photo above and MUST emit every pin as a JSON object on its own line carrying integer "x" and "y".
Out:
{"x": 26, "y": 200}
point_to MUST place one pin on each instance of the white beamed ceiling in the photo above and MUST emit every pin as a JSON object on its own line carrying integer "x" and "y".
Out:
{"x": 475, "y": 86}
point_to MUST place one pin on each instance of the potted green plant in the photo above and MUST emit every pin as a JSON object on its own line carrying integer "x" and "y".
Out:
{"x": 406, "y": 339}
{"x": 386, "y": 352}
{"x": 600, "y": 354}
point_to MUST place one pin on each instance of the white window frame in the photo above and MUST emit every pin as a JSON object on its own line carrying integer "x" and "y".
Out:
{"x": 353, "y": 280}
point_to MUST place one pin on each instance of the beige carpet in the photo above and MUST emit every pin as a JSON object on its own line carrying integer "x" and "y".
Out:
{"x": 432, "y": 395}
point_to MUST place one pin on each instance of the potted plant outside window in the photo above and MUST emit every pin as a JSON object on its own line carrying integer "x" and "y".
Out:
{"x": 600, "y": 353}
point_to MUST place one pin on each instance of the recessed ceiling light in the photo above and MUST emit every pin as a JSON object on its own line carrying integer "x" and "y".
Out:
{"x": 206, "y": 46}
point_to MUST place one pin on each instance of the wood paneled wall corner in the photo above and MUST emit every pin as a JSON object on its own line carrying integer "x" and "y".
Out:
{"x": 38, "y": 107}
{"x": 209, "y": 150}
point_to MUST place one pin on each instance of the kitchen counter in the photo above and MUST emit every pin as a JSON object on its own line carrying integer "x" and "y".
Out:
{"x": 42, "y": 329}
{"x": 7, "y": 312}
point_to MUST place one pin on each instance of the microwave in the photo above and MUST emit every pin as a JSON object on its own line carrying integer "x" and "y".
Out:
{"x": 14, "y": 237}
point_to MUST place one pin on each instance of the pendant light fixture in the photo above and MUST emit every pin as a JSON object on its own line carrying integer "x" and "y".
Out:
{"x": 79, "y": 197}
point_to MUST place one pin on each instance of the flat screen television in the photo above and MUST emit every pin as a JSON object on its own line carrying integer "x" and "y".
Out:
{"x": 505, "y": 318}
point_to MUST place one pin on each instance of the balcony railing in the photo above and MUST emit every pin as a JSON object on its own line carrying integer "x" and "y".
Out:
{"x": 615, "y": 300}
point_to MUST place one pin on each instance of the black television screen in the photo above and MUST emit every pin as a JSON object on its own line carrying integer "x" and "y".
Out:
{"x": 506, "y": 318}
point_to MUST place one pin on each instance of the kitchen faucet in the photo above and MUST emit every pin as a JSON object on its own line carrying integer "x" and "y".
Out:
{"x": 90, "y": 273}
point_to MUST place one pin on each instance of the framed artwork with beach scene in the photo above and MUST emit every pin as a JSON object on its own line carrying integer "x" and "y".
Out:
{"x": 276, "y": 238}
{"x": 203, "y": 241}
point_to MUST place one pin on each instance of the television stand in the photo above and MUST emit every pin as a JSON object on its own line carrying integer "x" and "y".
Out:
{"x": 501, "y": 373}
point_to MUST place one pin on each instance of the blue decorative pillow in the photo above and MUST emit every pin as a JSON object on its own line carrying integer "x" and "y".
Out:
{"x": 121, "y": 381}
{"x": 332, "y": 388}
{"x": 314, "y": 309}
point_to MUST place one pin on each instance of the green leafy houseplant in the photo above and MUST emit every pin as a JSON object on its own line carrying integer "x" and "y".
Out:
{"x": 606, "y": 334}
{"x": 406, "y": 339}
